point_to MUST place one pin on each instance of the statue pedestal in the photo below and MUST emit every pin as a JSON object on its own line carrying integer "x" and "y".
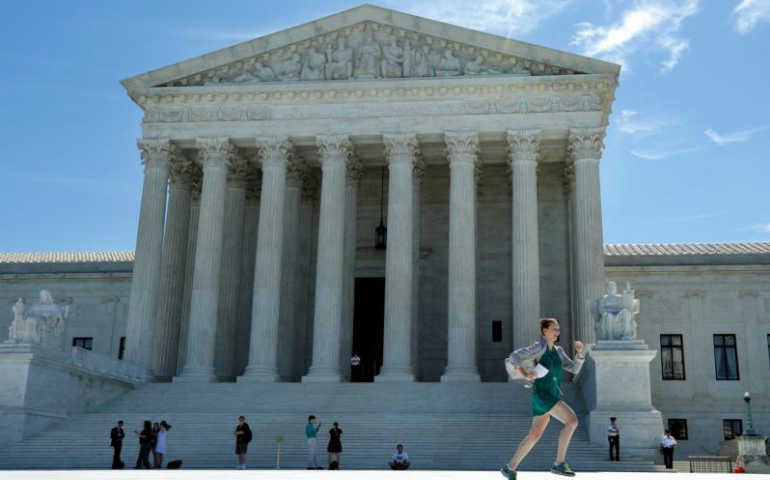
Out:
{"x": 615, "y": 382}
{"x": 752, "y": 453}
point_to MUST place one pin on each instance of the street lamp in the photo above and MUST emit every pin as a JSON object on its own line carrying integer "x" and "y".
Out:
{"x": 749, "y": 424}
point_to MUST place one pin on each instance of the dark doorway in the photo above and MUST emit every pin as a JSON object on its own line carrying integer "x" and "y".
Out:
{"x": 368, "y": 327}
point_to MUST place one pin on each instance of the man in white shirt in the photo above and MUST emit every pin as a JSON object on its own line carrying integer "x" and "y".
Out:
{"x": 400, "y": 459}
{"x": 613, "y": 436}
{"x": 667, "y": 444}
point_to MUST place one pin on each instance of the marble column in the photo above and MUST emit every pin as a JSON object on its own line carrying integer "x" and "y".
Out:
{"x": 307, "y": 250}
{"x": 214, "y": 154}
{"x": 401, "y": 152}
{"x": 248, "y": 258}
{"x": 524, "y": 145}
{"x": 352, "y": 178}
{"x": 230, "y": 276}
{"x": 585, "y": 147}
{"x": 295, "y": 177}
{"x": 172, "y": 269}
{"x": 462, "y": 148}
{"x": 192, "y": 237}
{"x": 155, "y": 154}
{"x": 335, "y": 150}
{"x": 266, "y": 311}
{"x": 419, "y": 173}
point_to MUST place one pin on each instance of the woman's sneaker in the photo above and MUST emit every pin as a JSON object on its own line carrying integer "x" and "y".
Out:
{"x": 562, "y": 469}
{"x": 508, "y": 473}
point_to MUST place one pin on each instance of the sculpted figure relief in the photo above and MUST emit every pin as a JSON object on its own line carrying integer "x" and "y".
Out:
{"x": 40, "y": 323}
{"x": 314, "y": 67}
{"x": 421, "y": 62}
{"x": 260, "y": 73}
{"x": 393, "y": 59}
{"x": 476, "y": 67}
{"x": 368, "y": 57}
{"x": 290, "y": 68}
{"x": 340, "y": 66}
{"x": 616, "y": 314}
{"x": 449, "y": 65}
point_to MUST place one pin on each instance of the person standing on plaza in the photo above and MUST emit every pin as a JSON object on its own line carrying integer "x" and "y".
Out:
{"x": 613, "y": 436}
{"x": 551, "y": 361}
{"x": 116, "y": 442}
{"x": 143, "y": 460}
{"x": 160, "y": 443}
{"x": 667, "y": 444}
{"x": 311, "y": 431}
{"x": 243, "y": 437}
{"x": 335, "y": 445}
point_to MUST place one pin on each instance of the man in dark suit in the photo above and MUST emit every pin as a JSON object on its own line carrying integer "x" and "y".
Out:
{"x": 116, "y": 435}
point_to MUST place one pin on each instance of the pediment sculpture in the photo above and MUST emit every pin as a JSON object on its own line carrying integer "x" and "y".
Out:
{"x": 368, "y": 51}
{"x": 617, "y": 314}
{"x": 41, "y": 323}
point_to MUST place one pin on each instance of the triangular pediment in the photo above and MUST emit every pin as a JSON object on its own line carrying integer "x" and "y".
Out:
{"x": 369, "y": 42}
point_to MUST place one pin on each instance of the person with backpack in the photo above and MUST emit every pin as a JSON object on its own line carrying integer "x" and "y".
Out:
{"x": 242, "y": 439}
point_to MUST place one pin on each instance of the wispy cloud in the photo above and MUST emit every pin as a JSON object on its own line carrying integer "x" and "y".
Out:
{"x": 695, "y": 217}
{"x": 734, "y": 137}
{"x": 632, "y": 123}
{"x": 750, "y": 12}
{"x": 759, "y": 227}
{"x": 503, "y": 17}
{"x": 649, "y": 25}
{"x": 662, "y": 153}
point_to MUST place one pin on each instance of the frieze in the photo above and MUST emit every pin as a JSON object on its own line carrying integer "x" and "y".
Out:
{"x": 247, "y": 113}
{"x": 369, "y": 50}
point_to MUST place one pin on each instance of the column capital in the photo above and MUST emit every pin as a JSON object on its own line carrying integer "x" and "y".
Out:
{"x": 215, "y": 151}
{"x": 354, "y": 170}
{"x": 462, "y": 147}
{"x": 237, "y": 170}
{"x": 586, "y": 143}
{"x": 183, "y": 172}
{"x": 401, "y": 147}
{"x": 296, "y": 171}
{"x": 334, "y": 148}
{"x": 310, "y": 187}
{"x": 156, "y": 153}
{"x": 418, "y": 172}
{"x": 274, "y": 151}
{"x": 567, "y": 177}
{"x": 523, "y": 145}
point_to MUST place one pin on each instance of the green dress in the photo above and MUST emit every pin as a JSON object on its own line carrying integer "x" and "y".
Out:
{"x": 546, "y": 391}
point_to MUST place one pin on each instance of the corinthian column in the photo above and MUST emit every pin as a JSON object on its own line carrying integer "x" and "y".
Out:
{"x": 192, "y": 240}
{"x": 419, "y": 173}
{"x": 213, "y": 153}
{"x": 155, "y": 154}
{"x": 248, "y": 259}
{"x": 401, "y": 152}
{"x": 524, "y": 145}
{"x": 287, "y": 355}
{"x": 266, "y": 310}
{"x": 229, "y": 287}
{"x": 352, "y": 178}
{"x": 585, "y": 146}
{"x": 335, "y": 150}
{"x": 461, "y": 350}
{"x": 172, "y": 270}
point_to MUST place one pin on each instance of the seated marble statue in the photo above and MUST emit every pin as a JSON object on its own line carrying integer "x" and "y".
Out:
{"x": 449, "y": 65}
{"x": 40, "y": 323}
{"x": 259, "y": 73}
{"x": 290, "y": 69}
{"x": 314, "y": 67}
{"x": 476, "y": 67}
{"x": 616, "y": 314}
{"x": 393, "y": 59}
{"x": 340, "y": 66}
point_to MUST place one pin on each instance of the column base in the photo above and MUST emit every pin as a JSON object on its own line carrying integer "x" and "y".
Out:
{"x": 323, "y": 374}
{"x": 395, "y": 374}
{"x": 259, "y": 374}
{"x": 196, "y": 375}
{"x": 461, "y": 374}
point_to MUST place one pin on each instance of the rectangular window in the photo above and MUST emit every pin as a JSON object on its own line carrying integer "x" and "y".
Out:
{"x": 672, "y": 357}
{"x": 121, "y": 348}
{"x": 733, "y": 428}
{"x": 497, "y": 330}
{"x": 678, "y": 428}
{"x": 86, "y": 343}
{"x": 726, "y": 357}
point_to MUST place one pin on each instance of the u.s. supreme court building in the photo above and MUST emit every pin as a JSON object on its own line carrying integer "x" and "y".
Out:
{"x": 417, "y": 193}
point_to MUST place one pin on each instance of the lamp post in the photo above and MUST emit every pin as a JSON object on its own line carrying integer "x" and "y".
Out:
{"x": 749, "y": 424}
{"x": 381, "y": 233}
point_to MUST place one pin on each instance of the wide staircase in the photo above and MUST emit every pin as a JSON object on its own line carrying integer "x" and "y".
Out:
{"x": 444, "y": 426}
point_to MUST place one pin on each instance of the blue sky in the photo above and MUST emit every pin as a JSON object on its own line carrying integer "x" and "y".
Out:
{"x": 686, "y": 157}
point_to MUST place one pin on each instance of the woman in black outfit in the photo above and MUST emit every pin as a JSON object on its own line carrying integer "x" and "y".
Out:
{"x": 335, "y": 446}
